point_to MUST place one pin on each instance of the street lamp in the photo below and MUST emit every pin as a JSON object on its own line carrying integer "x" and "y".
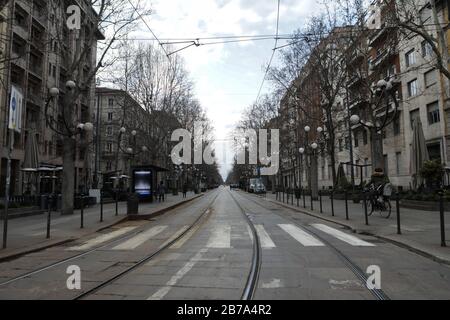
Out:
{"x": 71, "y": 84}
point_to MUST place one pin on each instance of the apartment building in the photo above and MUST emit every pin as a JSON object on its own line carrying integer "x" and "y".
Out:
{"x": 116, "y": 109}
{"x": 377, "y": 52}
{"x": 36, "y": 36}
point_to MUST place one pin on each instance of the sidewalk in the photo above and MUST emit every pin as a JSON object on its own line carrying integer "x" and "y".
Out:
{"x": 420, "y": 230}
{"x": 28, "y": 234}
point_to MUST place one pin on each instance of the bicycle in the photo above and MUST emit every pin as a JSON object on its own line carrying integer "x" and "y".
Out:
{"x": 379, "y": 200}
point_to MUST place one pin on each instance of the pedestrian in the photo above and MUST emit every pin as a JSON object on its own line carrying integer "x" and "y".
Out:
{"x": 185, "y": 187}
{"x": 161, "y": 192}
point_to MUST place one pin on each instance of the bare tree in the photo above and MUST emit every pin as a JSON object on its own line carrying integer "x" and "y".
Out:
{"x": 103, "y": 23}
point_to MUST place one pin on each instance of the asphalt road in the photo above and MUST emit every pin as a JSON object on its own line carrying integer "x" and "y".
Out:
{"x": 204, "y": 250}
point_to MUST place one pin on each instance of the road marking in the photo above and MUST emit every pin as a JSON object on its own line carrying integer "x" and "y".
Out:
{"x": 266, "y": 242}
{"x": 183, "y": 240}
{"x": 176, "y": 235}
{"x": 221, "y": 237}
{"x": 161, "y": 293}
{"x": 275, "y": 283}
{"x": 139, "y": 239}
{"x": 301, "y": 236}
{"x": 354, "y": 241}
{"x": 101, "y": 239}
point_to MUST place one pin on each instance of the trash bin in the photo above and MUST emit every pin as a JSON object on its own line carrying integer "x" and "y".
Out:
{"x": 133, "y": 204}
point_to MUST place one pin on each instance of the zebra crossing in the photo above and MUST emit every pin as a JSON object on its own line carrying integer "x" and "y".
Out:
{"x": 220, "y": 236}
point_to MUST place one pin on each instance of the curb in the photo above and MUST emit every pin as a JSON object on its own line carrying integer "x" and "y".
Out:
{"x": 20, "y": 252}
{"x": 52, "y": 243}
{"x": 137, "y": 217}
{"x": 365, "y": 232}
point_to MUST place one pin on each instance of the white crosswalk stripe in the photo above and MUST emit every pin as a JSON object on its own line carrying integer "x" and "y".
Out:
{"x": 354, "y": 241}
{"x": 301, "y": 236}
{"x": 174, "y": 236}
{"x": 102, "y": 239}
{"x": 266, "y": 241}
{"x": 220, "y": 237}
{"x": 139, "y": 239}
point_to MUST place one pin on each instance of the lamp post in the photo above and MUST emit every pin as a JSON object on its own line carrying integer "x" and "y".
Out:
{"x": 384, "y": 90}
{"x": 311, "y": 161}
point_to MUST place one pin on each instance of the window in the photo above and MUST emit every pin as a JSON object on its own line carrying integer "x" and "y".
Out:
{"x": 397, "y": 162}
{"x": 412, "y": 88}
{"x": 433, "y": 113}
{"x": 357, "y": 169}
{"x": 110, "y": 116}
{"x": 356, "y": 139}
{"x": 410, "y": 58}
{"x": 341, "y": 148}
{"x": 108, "y": 166}
{"x": 347, "y": 143}
{"x": 430, "y": 78}
{"x": 109, "y": 147}
{"x": 396, "y": 126}
{"x": 109, "y": 131}
{"x": 365, "y": 137}
{"x": 434, "y": 151}
{"x": 413, "y": 116}
{"x": 49, "y": 69}
{"x": 386, "y": 166}
{"x": 366, "y": 170}
{"x": 426, "y": 49}
{"x": 111, "y": 102}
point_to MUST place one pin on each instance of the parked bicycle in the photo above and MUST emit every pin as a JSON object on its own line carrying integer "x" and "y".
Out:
{"x": 379, "y": 200}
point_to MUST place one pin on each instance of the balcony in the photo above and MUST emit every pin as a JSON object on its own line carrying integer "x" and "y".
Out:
{"x": 378, "y": 34}
{"x": 356, "y": 102}
{"x": 356, "y": 78}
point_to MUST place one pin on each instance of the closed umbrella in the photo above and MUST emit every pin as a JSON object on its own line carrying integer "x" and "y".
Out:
{"x": 419, "y": 153}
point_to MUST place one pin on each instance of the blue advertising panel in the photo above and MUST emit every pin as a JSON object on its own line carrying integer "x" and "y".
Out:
{"x": 143, "y": 183}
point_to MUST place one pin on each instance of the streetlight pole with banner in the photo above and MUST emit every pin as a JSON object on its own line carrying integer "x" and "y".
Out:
{"x": 14, "y": 125}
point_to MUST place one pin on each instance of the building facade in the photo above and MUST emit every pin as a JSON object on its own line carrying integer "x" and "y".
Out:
{"x": 379, "y": 51}
{"x": 35, "y": 36}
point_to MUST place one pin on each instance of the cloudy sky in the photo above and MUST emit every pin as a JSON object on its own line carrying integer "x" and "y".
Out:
{"x": 227, "y": 76}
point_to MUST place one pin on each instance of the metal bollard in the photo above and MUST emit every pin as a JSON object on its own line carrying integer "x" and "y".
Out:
{"x": 82, "y": 212}
{"x": 397, "y": 206}
{"x": 365, "y": 209}
{"x": 332, "y": 202}
{"x": 298, "y": 199}
{"x": 292, "y": 199}
{"x": 101, "y": 205}
{"x": 117, "y": 203}
{"x": 49, "y": 216}
{"x": 320, "y": 201}
{"x": 442, "y": 218}
{"x": 304, "y": 199}
{"x": 346, "y": 205}
{"x": 311, "y": 200}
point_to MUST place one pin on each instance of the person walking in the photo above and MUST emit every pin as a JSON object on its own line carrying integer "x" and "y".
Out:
{"x": 185, "y": 187}
{"x": 161, "y": 192}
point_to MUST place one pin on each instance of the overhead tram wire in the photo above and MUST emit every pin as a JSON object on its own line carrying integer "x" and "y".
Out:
{"x": 273, "y": 52}
{"x": 148, "y": 27}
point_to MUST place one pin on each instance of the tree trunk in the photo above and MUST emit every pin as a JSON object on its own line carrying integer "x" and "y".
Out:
{"x": 377, "y": 150}
{"x": 68, "y": 179}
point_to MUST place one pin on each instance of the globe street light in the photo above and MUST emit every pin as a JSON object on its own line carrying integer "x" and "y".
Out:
{"x": 71, "y": 85}
{"x": 314, "y": 146}
{"x": 307, "y": 128}
{"x": 54, "y": 92}
{"x": 319, "y": 129}
{"x": 355, "y": 119}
